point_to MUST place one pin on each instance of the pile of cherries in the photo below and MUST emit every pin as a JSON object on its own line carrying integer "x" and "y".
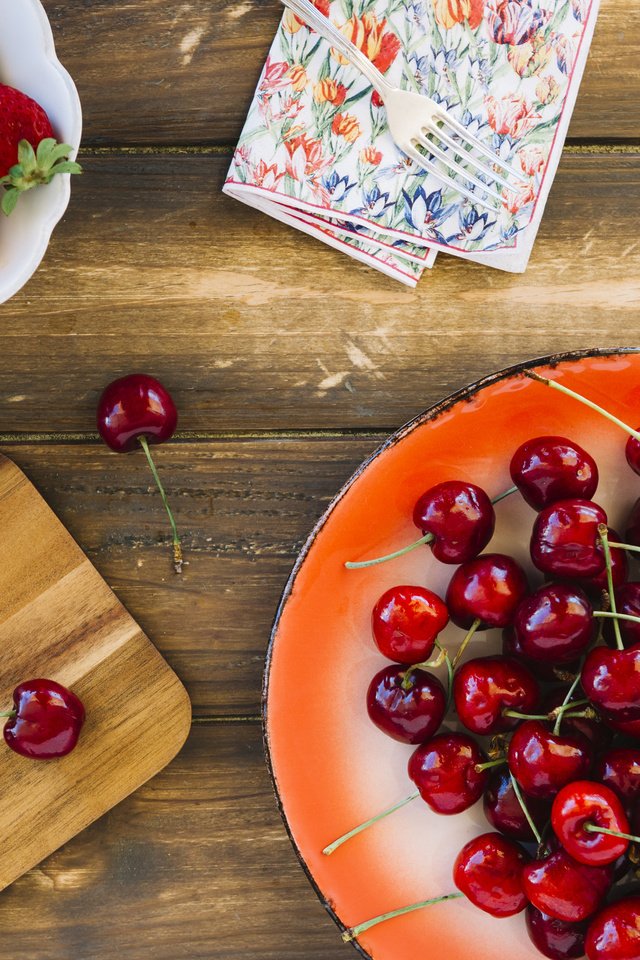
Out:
{"x": 560, "y": 774}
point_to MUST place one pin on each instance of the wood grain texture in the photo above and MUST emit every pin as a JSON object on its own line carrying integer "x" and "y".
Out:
{"x": 244, "y": 509}
{"x": 185, "y": 72}
{"x": 195, "y": 866}
{"x": 59, "y": 619}
{"x": 255, "y": 326}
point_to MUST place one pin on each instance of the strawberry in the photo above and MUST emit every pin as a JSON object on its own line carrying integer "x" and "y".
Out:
{"x": 29, "y": 152}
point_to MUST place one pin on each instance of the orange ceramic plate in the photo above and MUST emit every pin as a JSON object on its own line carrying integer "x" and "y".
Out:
{"x": 331, "y": 767}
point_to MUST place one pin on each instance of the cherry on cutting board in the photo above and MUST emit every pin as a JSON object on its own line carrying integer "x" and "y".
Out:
{"x": 484, "y": 688}
{"x": 46, "y": 721}
{"x": 554, "y": 624}
{"x": 555, "y": 939}
{"x": 135, "y": 411}
{"x": 590, "y": 823}
{"x": 547, "y": 469}
{"x": 543, "y": 762}
{"x": 456, "y": 518}
{"x": 408, "y": 704}
{"x": 406, "y": 621}
{"x": 563, "y": 888}
{"x": 565, "y": 540}
{"x": 614, "y": 934}
{"x": 488, "y": 870}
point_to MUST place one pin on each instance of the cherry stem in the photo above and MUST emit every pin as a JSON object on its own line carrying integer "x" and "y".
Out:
{"x": 177, "y": 547}
{"x": 525, "y": 810}
{"x": 360, "y": 564}
{"x": 447, "y": 660}
{"x": 593, "y": 828}
{"x": 356, "y": 931}
{"x": 603, "y": 533}
{"x": 9, "y": 713}
{"x": 367, "y": 823}
{"x": 616, "y": 616}
{"x": 625, "y": 546}
{"x": 588, "y": 403}
{"x": 479, "y": 767}
{"x": 566, "y": 702}
{"x": 463, "y": 646}
{"x": 501, "y": 496}
{"x": 525, "y": 716}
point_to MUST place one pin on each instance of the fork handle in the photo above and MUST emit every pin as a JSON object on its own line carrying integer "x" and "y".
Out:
{"x": 322, "y": 25}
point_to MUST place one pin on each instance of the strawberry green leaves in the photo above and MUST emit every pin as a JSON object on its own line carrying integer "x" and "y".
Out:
{"x": 35, "y": 167}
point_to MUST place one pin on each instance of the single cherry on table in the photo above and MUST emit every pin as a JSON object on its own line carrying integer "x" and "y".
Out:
{"x": 46, "y": 720}
{"x": 551, "y": 468}
{"x": 136, "y": 411}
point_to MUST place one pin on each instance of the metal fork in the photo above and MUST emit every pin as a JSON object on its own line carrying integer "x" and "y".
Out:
{"x": 416, "y": 121}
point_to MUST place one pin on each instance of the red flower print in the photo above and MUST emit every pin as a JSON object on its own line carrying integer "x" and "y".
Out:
{"x": 274, "y": 77}
{"x": 514, "y": 21}
{"x": 329, "y": 91}
{"x": 376, "y": 99}
{"x": 515, "y": 200}
{"x": 266, "y": 177}
{"x": 510, "y": 116}
{"x": 305, "y": 157}
{"x": 371, "y": 155}
{"x": 344, "y": 125}
{"x": 292, "y": 23}
{"x": 532, "y": 159}
{"x": 368, "y": 35}
{"x": 450, "y": 12}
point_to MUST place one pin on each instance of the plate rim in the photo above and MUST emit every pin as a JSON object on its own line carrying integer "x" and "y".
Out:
{"x": 431, "y": 413}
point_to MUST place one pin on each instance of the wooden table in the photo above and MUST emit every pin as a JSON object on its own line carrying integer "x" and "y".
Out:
{"x": 289, "y": 364}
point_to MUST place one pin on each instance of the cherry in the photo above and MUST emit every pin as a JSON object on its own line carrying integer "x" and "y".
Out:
{"x": 136, "y": 411}
{"x": 445, "y": 771}
{"x": 46, "y": 721}
{"x": 488, "y": 871}
{"x": 543, "y": 762}
{"x": 588, "y": 819}
{"x": 548, "y": 469}
{"x": 550, "y": 672}
{"x": 484, "y": 688}
{"x": 406, "y": 621}
{"x": 407, "y": 704}
{"x": 611, "y": 680}
{"x": 455, "y": 517}
{"x": 565, "y": 539}
{"x": 554, "y": 624}
{"x": 504, "y": 811}
{"x": 564, "y": 889}
{"x": 554, "y": 938}
{"x": 485, "y": 592}
{"x": 632, "y": 529}
{"x": 591, "y": 727}
{"x": 614, "y": 934}
{"x": 619, "y": 568}
{"x": 627, "y": 599}
{"x": 619, "y": 769}
{"x": 632, "y": 453}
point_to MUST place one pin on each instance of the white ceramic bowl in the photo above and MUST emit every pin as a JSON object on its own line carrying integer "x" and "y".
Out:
{"x": 28, "y": 62}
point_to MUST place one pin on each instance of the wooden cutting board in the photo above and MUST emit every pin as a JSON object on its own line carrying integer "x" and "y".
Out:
{"x": 60, "y": 620}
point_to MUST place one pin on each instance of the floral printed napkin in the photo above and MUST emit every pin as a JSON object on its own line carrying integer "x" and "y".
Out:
{"x": 316, "y": 153}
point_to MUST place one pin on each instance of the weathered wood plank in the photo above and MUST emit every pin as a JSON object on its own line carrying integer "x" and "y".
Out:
{"x": 244, "y": 509}
{"x": 185, "y": 73}
{"x": 194, "y": 866}
{"x": 255, "y": 326}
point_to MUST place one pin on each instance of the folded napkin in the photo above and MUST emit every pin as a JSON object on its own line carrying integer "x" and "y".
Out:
{"x": 315, "y": 151}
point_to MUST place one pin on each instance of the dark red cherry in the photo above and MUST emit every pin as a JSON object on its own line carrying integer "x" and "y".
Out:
{"x": 630, "y": 728}
{"x": 460, "y": 517}
{"x": 444, "y": 771}
{"x": 563, "y": 888}
{"x": 611, "y": 680}
{"x": 132, "y": 407}
{"x": 584, "y": 803}
{"x": 504, "y": 811}
{"x": 549, "y": 672}
{"x": 488, "y": 589}
{"x": 555, "y": 939}
{"x": 47, "y": 721}
{"x": 543, "y": 762}
{"x": 554, "y": 624}
{"x": 565, "y": 540}
{"x": 632, "y": 453}
{"x": 548, "y": 469}
{"x": 632, "y": 528}
{"x": 487, "y": 686}
{"x": 593, "y": 728}
{"x": 406, "y": 621}
{"x": 614, "y": 934}
{"x": 488, "y": 870}
{"x": 619, "y": 568}
{"x": 627, "y": 602}
{"x": 619, "y": 769}
{"x": 407, "y": 704}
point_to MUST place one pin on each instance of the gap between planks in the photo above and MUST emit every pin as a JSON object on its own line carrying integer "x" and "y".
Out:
{"x": 195, "y": 436}
{"x": 575, "y": 147}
